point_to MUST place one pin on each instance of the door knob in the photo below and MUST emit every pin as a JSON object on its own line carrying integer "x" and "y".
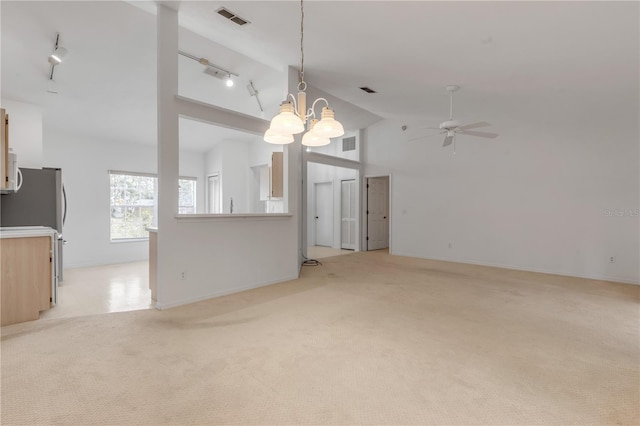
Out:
{"x": 384, "y": 217}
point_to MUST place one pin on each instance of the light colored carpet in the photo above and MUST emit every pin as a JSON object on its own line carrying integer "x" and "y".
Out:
{"x": 367, "y": 338}
{"x": 320, "y": 252}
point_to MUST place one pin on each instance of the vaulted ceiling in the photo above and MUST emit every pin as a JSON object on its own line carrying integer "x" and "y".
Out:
{"x": 559, "y": 56}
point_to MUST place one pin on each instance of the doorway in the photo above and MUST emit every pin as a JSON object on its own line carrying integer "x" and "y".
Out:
{"x": 323, "y": 213}
{"x": 377, "y": 213}
{"x": 214, "y": 204}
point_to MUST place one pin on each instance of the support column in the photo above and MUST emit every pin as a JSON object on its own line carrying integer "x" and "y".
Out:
{"x": 168, "y": 144}
{"x": 293, "y": 159}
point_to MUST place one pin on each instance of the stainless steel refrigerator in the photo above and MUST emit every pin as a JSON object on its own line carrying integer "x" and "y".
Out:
{"x": 40, "y": 201}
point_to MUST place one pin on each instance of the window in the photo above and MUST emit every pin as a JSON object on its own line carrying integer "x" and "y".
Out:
{"x": 187, "y": 195}
{"x": 133, "y": 203}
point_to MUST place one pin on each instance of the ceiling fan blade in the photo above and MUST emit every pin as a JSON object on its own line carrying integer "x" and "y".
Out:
{"x": 447, "y": 141}
{"x": 425, "y": 136}
{"x": 474, "y": 125}
{"x": 480, "y": 134}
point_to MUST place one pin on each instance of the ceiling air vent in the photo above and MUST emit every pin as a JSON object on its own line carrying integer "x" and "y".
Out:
{"x": 232, "y": 16}
{"x": 349, "y": 144}
{"x": 368, "y": 89}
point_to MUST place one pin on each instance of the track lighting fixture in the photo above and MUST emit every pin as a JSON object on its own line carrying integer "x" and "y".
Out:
{"x": 253, "y": 92}
{"x": 212, "y": 69}
{"x": 293, "y": 115}
{"x": 59, "y": 52}
{"x": 55, "y": 58}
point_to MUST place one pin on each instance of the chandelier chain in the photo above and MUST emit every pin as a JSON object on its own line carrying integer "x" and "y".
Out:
{"x": 301, "y": 41}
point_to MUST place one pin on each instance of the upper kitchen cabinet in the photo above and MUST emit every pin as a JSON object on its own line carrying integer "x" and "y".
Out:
{"x": 277, "y": 187}
{"x": 271, "y": 183}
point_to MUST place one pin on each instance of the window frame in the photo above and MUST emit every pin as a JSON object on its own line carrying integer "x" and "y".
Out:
{"x": 154, "y": 206}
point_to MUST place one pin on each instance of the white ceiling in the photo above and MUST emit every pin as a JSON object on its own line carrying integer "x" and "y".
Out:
{"x": 505, "y": 55}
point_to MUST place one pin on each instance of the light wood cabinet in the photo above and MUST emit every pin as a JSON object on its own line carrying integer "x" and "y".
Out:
{"x": 277, "y": 165}
{"x": 4, "y": 149}
{"x": 271, "y": 181}
{"x": 26, "y": 278}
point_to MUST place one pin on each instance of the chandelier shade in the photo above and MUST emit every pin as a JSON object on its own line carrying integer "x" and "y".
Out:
{"x": 328, "y": 126}
{"x": 277, "y": 138}
{"x": 313, "y": 138}
{"x": 287, "y": 122}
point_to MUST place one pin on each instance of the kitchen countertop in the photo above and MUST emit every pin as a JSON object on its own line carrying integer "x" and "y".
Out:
{"x": 27, "y": 231}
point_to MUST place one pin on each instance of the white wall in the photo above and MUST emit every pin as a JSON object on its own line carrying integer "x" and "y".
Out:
{"x": 233, "y": 160}
{"x": 226, "y": 255}
{"x": 25, "y": 132}
{"x": 217, "y": 255}
{"x": 536, "y": 198}
{"x": 235, "y": 177}
{"x": 212, "y": 166}
{"x": 195, "y": 84}
{"x": 335, "y": 147}
{"x": 84, "y": 162}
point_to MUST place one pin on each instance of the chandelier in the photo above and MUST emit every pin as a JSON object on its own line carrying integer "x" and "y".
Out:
{"x": 294, "y": 118}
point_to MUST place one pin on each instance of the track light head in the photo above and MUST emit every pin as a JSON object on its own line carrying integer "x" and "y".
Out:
{"x": 56, "y": 57}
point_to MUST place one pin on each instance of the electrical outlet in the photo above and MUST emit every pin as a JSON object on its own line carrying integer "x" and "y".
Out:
{"x": 183, "y": 275}
{"x": 612, "y": 259}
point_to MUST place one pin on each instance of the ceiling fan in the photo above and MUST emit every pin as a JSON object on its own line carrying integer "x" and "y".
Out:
{"x": 452, "y": 127}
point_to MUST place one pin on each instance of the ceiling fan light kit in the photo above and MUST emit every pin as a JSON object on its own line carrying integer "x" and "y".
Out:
{"x": 293, "y": 116}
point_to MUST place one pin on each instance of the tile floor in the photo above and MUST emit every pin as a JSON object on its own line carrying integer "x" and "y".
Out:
{"x": 119, "y": 288}
{"x": 102, "y": 289}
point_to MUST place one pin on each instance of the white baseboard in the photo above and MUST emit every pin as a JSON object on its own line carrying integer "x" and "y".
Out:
{"x": 104, "y": 263}
{"x": 525, "y": 268}
{"x": 161, "y": 306}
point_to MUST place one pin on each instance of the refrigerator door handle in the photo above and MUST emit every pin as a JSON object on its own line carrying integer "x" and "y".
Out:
{"x": 64, "y": 196}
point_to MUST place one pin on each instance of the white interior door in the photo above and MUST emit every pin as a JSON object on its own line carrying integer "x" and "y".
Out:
{"x": 377, "y": 213}
{"x": 348, "y": 215}
{"x": 324, "y": 213}
{"x": 214, "y": 204}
